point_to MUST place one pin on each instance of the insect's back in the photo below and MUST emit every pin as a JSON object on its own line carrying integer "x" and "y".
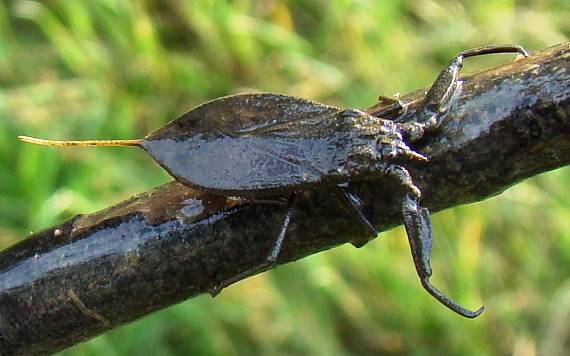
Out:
{"x": 252, "y": 144}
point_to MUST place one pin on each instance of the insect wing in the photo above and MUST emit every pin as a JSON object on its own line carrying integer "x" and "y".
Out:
{"x": 249, "y": 143}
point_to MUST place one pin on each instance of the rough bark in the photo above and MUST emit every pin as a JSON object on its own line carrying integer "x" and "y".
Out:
{"x": 98, "y": 271}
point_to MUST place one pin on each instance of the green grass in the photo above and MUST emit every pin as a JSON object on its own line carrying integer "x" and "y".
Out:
{"x": 119, "y": 69}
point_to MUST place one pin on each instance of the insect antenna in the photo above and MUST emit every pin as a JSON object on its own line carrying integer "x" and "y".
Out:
{"x": 78, "y": 143}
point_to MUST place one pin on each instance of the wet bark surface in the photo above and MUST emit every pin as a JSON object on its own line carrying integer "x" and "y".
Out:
{"x": 98, "y": 271}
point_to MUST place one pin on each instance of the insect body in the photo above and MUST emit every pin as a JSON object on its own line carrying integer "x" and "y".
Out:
{"x": 267, "y": 144}
{"x": 255, "y": 145}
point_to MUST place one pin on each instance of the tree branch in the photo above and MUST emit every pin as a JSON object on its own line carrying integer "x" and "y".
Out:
{"x": 98, "y": 271}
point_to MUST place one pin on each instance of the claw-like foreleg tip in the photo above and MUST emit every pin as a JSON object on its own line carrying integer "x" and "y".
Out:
{"x": 443, "y": 299}
{"x": 476, "y": 313}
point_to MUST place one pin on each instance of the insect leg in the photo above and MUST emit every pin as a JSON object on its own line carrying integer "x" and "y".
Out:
{"x": 270, "y": 259}
{"x": 354, "y": 204}
{"x": 278, "y": 243}
{"x": 418, "y": 229}
{"x": 446, "y": 86}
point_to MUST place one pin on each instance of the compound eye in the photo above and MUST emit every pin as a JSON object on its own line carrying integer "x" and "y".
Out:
{"x": 392, "y": 147}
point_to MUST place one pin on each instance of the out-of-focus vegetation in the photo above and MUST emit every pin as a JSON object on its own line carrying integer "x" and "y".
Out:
{"x": 119, "y": 69}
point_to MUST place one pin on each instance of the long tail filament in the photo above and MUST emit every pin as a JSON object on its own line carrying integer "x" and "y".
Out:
{"x": 76, "y": 143}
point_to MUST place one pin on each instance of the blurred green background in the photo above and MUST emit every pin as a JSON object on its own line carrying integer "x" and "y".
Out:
{"x": 119, "y": 69}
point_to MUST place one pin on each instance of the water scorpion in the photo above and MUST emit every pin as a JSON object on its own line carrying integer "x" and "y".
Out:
{"x": 263, "y": 145}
